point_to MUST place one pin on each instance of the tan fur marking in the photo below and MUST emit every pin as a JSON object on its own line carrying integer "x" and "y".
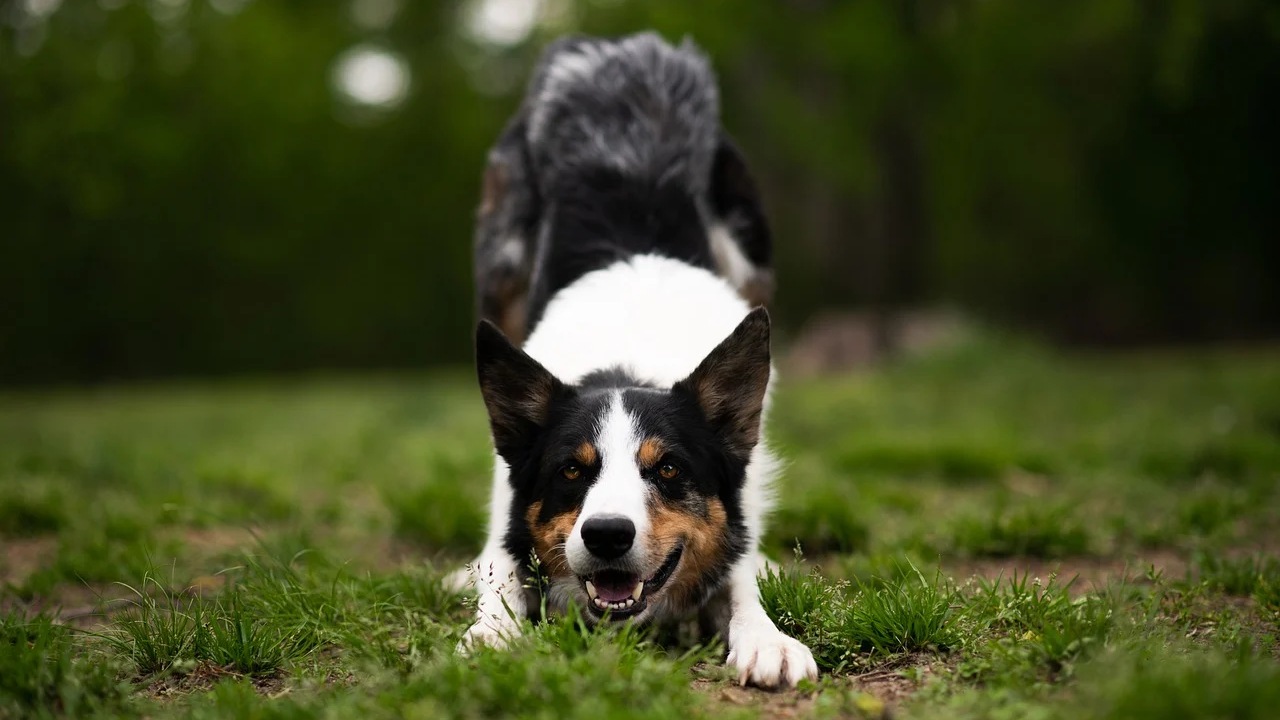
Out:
{"x": 549, "y": 539}
{"x": 704, "y": 540}
{"x": 492, "y": 188}
{"x": 650, "y": 452}
{"x": 585, "y": 454}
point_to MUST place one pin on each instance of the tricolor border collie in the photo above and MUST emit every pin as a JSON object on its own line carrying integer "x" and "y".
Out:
{"x": 621, "y": 240}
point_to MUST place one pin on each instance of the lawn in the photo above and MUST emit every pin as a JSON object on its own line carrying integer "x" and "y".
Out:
{"x": 994, "y": 529}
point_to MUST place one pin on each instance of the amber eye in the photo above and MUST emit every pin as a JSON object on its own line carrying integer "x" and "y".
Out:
{"x": 668, "y": 471}
{"x": 571, "y": 472}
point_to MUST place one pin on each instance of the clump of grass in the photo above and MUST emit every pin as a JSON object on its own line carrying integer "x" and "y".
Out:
{"x": 28, "y": 509}
{"x": 822, "y": 521}
{"x": 1040, "y": 622}
{"x": 1207, "y": 512}
{"x": 1150, "y": 684}
{"x": 1234, "y": 457}
{"x": 236, "y": 630}
{"x": 562, "y": 664}
{"x": 909, "y": 614}
{"x": 446, "y": 509}
{"x": 838, "y": 620}
{"x": 40, "y": 674}
{"x": 153, "y": 634}
{"x": 399, "y": 621}
{"x": 1046, "y": 532}
{"x": 1242, "y": 576}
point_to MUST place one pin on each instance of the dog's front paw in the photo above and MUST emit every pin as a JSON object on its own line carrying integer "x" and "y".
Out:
{"x": 767, "y": 658}
{"x": 488, "y": 633}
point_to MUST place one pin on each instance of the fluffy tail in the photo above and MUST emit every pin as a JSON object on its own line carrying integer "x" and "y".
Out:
{"x": 634, "y": 106}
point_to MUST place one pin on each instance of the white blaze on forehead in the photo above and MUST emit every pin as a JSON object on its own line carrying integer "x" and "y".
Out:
{"x": 619, "y": 490}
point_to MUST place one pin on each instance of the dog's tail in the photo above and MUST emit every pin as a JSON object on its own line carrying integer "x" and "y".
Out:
{"x": 636, "y": 107}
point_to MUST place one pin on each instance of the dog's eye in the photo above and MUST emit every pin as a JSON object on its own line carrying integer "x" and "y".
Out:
{"x": 571, "y": 472}
{"x": 668, "y": 471}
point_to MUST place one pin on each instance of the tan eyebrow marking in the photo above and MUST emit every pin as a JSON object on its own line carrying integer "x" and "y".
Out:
{"x": 586, "y": 454}
{"x": 650, "y": 452}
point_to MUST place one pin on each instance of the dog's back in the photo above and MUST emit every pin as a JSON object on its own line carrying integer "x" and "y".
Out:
{"x": 617, "y": 151}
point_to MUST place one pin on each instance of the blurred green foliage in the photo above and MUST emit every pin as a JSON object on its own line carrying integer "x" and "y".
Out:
{"x": 184, "y": 190}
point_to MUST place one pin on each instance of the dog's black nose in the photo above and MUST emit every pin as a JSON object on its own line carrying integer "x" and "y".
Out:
{"x": 608, "y": 537}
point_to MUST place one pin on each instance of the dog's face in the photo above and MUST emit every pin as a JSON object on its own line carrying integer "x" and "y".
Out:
{"x": 627, "y": 495}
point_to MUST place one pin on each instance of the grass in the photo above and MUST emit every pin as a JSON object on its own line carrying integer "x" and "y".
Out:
{"x": 993, "y": 529}
{"x": 44, "y": 672}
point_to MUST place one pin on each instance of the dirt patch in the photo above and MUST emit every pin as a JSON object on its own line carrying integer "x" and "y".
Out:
{"x": 890, "y": 686}
{"x": 1091, "y": 574}
{"x": 780, "y": 704}
{"x": 876, "y": 693}
{"x": 202, "y": 678}
{"x": 24, "y": 556}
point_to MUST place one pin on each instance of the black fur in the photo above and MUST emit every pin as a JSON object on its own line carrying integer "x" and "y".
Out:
{"x": 627, "y": 159}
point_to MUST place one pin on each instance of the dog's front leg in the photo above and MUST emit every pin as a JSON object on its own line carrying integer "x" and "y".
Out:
{"x": 500, "y": 604}
{"x": 762, "y": 654}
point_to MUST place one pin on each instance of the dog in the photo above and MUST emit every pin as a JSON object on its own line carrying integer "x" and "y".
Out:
{"x": 621, "y": 240}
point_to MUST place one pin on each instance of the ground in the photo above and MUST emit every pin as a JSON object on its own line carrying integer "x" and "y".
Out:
{"x": 990, "y": 528}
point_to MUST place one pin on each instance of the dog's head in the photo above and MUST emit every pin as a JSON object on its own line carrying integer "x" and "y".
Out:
{"x": 628, "y": 495}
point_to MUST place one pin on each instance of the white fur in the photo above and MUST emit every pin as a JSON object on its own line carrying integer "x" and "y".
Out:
{"x": 619, "y": 490}
{"x": 655, "y": 316}
{"x": 512, "y": 252}
{"x": 735, "y": 266}
{"x": 659, "y": 318}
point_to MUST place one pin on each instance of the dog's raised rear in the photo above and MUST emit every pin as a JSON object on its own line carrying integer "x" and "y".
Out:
{"x": 617, "y": 150}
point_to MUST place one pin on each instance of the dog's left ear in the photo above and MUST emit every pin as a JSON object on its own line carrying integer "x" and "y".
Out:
{"x": 729, "y": 385}
{"x": 518, "y": 392}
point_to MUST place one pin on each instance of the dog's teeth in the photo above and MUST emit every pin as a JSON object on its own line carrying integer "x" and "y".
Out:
{"x": 591, "y": 590}
{"x": 630, "y": 602}
{"x": 638, "y": 590}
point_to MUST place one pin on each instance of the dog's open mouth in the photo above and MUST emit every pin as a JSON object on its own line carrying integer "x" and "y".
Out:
{"x": 624, "y": 594}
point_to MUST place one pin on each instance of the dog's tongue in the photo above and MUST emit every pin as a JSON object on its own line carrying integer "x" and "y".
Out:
{"x": 614, "y": 586}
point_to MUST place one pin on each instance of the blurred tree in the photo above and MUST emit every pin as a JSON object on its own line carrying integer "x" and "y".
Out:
{"x": 186, "y": 186}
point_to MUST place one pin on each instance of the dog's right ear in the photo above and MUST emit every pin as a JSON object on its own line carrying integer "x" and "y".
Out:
{"x": 518, "y": 392}
{"x": 730, "y": 384}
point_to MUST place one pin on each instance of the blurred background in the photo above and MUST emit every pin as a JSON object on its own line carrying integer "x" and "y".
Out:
{"x": 204, "y": 187}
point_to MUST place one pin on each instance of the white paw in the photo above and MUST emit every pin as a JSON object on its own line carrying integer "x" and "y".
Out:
{"x": 767, "y": 658}
{"x": 488, "y": 632}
